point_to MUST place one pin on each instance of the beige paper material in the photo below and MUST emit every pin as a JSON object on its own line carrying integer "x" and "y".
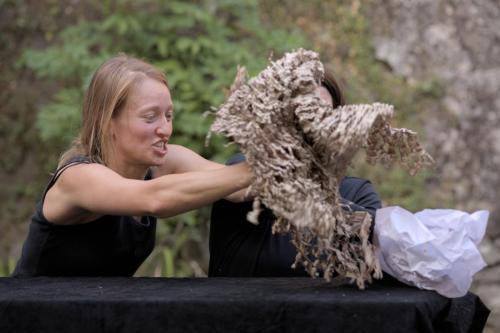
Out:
{"x": 299, "y": 149}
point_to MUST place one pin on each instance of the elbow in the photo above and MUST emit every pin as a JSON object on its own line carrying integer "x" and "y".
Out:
{"x": 163, "y": 207}
{"x": 157, "y": 202}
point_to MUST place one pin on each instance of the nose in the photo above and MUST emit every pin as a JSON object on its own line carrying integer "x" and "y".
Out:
{"x": 164, "y": 129}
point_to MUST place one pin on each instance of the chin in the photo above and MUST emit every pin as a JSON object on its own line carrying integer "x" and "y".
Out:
{"x": 158, "y": 161}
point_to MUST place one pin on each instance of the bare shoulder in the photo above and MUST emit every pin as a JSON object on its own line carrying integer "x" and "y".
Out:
{"x": 61, "y": 201}
{"x": 79, "y": 176}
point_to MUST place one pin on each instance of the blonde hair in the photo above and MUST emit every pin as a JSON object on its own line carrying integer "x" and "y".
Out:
{"x": 105, "y": 97}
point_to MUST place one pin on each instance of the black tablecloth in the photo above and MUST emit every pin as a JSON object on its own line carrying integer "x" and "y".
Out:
{"x": 228, "y": 305}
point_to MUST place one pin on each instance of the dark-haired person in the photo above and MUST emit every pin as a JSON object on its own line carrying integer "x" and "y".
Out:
{"x": 97, "y": 216}
{"x": 240, "y": 248}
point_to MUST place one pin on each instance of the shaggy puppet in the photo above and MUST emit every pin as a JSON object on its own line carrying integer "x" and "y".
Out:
{"x": 299, "y": 149}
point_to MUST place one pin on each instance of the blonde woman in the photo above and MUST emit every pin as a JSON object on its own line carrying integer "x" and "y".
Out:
{"x": 97, "y": 216}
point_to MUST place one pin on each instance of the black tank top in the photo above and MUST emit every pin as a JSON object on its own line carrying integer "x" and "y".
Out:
{"x": 108, "y": 246}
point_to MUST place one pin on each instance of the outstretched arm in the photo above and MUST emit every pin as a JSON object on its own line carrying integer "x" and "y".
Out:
{"x": 181, "y": 159}
{"x": 95, "y": 189}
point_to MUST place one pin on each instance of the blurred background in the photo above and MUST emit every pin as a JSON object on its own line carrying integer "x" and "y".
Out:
{"x": 436, "y": 61}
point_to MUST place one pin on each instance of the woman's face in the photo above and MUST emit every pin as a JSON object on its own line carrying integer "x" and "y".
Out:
{"x": 141, "y": 130}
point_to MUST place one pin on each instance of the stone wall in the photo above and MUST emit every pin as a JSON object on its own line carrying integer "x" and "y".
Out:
{"x": 457, "y": 44}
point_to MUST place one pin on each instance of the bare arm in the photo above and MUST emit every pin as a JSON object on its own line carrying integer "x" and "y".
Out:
{"x": 87, "y": 189}
{"x": 182, "y": 159}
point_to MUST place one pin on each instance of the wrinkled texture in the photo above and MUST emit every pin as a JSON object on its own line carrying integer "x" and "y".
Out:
{"x": 299, "y": 149}
{"x": 433, "y": 249}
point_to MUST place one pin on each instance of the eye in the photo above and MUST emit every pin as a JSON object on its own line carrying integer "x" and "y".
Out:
{"x": 169, "y": 116}
{"x": 150, "y": 117}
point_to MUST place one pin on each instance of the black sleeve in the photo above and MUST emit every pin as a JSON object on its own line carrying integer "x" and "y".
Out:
{"x": 235, "y": 159}
{"x": 360, "y": 195}
{"x": 363, "y": 198}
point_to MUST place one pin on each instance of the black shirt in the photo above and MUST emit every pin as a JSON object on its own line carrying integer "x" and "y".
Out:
{"x": 107, "y": 246}
{"x": 240, "y": 248}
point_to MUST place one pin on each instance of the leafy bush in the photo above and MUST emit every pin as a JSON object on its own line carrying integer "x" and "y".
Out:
{"x": 198, "y": 43}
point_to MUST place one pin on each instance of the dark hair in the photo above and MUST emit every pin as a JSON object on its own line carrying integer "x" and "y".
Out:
{"x": 333, "y": 88}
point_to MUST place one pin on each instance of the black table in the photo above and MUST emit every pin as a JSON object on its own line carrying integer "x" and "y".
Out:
{"x": 228, "y": 305}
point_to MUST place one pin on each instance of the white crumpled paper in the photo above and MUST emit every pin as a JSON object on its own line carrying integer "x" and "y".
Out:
{"x": 433, "y": 249}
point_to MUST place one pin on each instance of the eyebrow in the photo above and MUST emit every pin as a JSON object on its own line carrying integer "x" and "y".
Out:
{"x": 155, "y": 108}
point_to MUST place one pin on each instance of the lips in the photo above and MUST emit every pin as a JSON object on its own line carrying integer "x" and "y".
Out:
{"x": 160, "y": 147}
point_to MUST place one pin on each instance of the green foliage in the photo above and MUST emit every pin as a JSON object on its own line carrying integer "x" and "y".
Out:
{"x": 7, "y": 267}
{"x": 23, "y": 163}
{"x": 198, "y": 44}
{"x": 60, "y": 119}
